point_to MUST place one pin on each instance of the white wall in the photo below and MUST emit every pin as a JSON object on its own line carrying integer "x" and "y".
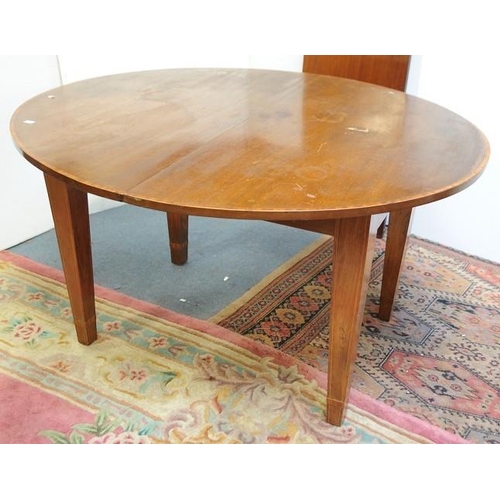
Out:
{"x": 79, "y": 67}
{"x": 24, "y": 207}
{"x": 468, "y": 85}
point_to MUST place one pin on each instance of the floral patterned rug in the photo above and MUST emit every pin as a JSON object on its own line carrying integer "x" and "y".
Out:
{"x": 154, "y": 376}
{"x": 438, "y": 359}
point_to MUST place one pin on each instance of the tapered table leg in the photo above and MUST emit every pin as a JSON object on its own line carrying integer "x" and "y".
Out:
{"x": 353, "y": 243}
{"x": 71, "y": 219}
{"x": 397, "y": 238}
{"x": 178, "y": 236}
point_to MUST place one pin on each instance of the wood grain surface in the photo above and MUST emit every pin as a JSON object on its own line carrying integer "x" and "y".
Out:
{"x": 250, "y": 143}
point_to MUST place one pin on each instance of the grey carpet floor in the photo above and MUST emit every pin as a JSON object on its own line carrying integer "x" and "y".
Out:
{"x": 131, "y": 255}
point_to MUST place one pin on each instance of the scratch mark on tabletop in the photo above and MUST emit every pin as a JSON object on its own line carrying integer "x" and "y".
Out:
{"x": 356, "y": 129}
{"x": 321, "y": 146}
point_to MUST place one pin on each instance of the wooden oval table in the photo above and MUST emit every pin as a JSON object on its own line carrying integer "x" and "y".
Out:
{"x": 320, "y": 153}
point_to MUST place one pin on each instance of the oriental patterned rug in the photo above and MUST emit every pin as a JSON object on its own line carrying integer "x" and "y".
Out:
{"x": 438, "y": 359}
{"x": 154, "y": 376}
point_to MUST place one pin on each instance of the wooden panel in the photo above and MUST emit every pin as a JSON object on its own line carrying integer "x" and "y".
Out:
{"x": 387, "y": 70}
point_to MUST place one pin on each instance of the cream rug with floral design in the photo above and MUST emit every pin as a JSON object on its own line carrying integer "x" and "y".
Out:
{"x": 154, "y": 376}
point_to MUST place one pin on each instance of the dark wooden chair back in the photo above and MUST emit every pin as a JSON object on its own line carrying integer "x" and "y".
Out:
{"x": 389, "y": 71}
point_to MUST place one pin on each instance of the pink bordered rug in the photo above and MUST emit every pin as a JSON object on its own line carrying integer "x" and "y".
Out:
{"x": 154, "y": 376}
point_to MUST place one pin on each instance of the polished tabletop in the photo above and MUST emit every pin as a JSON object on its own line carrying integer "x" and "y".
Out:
{"x": 250, "y": 144}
